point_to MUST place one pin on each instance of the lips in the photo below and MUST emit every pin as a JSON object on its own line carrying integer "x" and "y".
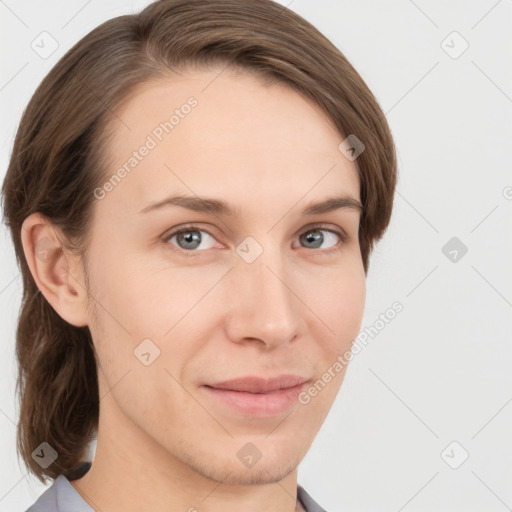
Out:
{"x": 255, "y": 384}
{"x": 254, "y": 396}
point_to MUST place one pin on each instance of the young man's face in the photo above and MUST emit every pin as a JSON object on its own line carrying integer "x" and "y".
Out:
{"x": 266, "y": 292}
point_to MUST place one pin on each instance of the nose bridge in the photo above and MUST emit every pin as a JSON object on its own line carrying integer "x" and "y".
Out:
{"x": 265, "y": 307}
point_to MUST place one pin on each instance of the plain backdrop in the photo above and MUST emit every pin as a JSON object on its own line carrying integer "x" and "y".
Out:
{"x": 423, "y": 419}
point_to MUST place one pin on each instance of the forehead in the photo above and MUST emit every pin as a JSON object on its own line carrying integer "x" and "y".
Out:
{"x": 214, "y": 132}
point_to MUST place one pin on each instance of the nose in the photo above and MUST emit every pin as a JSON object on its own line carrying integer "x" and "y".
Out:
{"x": 263, "y": 307}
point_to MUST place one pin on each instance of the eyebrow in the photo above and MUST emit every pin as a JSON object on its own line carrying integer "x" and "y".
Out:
{"x": 220, "y": 207}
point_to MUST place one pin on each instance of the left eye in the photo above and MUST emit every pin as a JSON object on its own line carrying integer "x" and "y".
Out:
{"x": 190, "y": 238}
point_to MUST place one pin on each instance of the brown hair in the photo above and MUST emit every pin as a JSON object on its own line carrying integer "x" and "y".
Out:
{"x": 59, "y": 158}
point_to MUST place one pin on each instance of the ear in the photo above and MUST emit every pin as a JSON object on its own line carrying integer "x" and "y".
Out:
{"x": 57, "y": 274}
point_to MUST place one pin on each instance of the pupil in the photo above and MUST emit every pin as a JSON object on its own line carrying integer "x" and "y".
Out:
{"x": 189, "y": 236}
{"x": 312, "y": 237}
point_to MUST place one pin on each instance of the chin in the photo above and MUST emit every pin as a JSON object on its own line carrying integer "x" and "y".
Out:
{"x": 264, "y": 474}
{"x": 231, "y": 471}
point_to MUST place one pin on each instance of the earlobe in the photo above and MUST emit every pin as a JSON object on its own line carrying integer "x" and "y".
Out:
{"x": 54, "y": 270}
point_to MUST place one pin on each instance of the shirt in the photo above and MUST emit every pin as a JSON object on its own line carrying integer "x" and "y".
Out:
{"x": 61, "y": 496}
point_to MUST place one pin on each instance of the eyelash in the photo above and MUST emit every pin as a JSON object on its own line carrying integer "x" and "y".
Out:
{"x": 192, "y": 227}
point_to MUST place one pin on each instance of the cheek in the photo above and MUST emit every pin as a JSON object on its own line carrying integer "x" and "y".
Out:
{"x": 146, "y": 310}
{"x": 340, "y": 301}
{"x": 138, "y": 301}
{"x": 341, "y": 309}
{"x": 352, "y": 298}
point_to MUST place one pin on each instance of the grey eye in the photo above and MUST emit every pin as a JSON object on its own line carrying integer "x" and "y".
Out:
{"x": 190, "y": 239}
{"x": 314, "y": 238}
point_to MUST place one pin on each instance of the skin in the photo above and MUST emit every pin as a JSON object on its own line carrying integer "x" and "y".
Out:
{"x": 163, "y": 444}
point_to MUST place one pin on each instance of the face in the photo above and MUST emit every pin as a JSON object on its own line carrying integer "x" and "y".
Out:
{"x": 263, "y": 291}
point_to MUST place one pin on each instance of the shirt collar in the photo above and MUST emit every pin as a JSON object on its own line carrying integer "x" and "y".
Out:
{"x": 67, "y": 497}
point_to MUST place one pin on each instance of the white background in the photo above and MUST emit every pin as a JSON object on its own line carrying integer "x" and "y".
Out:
{"x": 440, "y": 371}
